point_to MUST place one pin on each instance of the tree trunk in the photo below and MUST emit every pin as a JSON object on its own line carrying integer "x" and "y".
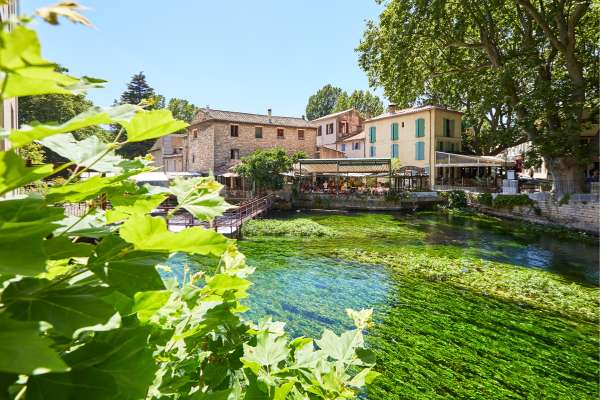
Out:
{"x": 567, "y": 174}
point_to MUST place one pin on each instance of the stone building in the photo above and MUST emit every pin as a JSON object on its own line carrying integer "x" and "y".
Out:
{"x": 216, "y": 139}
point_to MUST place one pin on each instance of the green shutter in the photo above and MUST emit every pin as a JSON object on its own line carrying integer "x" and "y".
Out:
{"x": 420, "y": 151}
{"x": 420, "y": 127}
{"x": 372, "y": 134}
{"x": 395, "y": 131}
{"x": 394, "y": 150}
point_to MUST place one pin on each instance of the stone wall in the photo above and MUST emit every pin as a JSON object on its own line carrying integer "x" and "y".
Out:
{"x": 326, "y": 201}
{"x": 578, "y": 211}
{"x": 211, "y": 150}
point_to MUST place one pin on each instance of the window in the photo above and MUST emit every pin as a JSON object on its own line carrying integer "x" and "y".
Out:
{"x": 193, "y": 159}
{"x": 356, "y": 146}
{"x": 329, "y": 129}
{"x": 343, "y": 146}
{"x": 448, "y": 127}
{"x": 234, "y": 130}
{"x": 235, "y": 154}
{"x": 420, "y": 127}
{"x": 344, "y": 127}
{"x": 452, "y": 147}
{"x": 395, "y": 150}
{"x": 372, "y": 134}
{"x": 403, "y": 124}
{"x": 195, "y": 133}
{"x": 372, "y": 151}
{"x": 395, "y": 131}
{"x": 320, "y": 131}
{"x": 300, "y": 134}
{"x": 258, "y": 132}
{"x": 440, "y": 146}
{"x": 420, "y": 151}
{"x": 280, "y": 133}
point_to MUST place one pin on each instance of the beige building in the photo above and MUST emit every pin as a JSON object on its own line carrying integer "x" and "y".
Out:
{"x": 332, "y": 129}
{"x": 216, "y": 139}
{"x": 9, "y": 117}
{"x": 170, "y": 152}
{"x": 414, "y": 135}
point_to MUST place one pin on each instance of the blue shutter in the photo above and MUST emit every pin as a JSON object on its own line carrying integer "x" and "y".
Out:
{"x": 420, "y": 151}
{"x": 372, "y": 134}
{"x": 420, "y": 127}
{"x": 372, "y": 151}
{"x": 395, "y": 131}
{"x": 395, "y": 150}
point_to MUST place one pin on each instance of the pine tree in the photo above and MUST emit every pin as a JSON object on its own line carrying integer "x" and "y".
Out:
{"x": 137, "y": 90}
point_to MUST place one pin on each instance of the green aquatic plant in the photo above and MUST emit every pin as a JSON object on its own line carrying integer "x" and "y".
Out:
{"x": 512, "y": 200}
{"x": 88, "y": 305}
{"x": 300, "y": 227}
{"x": 455, "y": 199}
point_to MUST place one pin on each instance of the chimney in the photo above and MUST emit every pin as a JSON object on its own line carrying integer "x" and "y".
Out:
{"x": 391, "y": 108}
{"x": 269, "y": 112}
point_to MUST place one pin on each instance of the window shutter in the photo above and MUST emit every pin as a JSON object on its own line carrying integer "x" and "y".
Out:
{"x": 420, "y": 127}
{"x": 452, "y": 127}
{"x": 394, "y": 150}
{"x": 395, "y": 131}
{"x": 420, "y": 151}
{"x": 372, "y": 134}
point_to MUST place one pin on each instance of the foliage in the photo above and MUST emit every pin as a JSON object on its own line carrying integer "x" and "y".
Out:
{"x": 88, "y": 307}
{"x": 367, "y": 104}
{"x": 265, "y": 166}
{"x": 322, "y": 102}
{"x": 182, "y": 110}
{"x": 485, "y": 199}
{"x": 455, "y": 199}
{"x": 299, "y": 227}
{"x": 512, "y": 200}
{"x": 529, "y": 68}
{"x": 57, "y": 108}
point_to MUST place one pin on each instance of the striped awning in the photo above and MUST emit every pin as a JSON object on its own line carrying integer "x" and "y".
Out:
{"x": 343, "y": 166}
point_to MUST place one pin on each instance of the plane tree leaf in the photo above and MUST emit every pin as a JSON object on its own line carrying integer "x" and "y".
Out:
{"x": 151, "y": 125}
{"x": 341, "y": 348}
{"x": 14, "y": 173}
{"x": 67, "y": 308}
{"x": 91, "y": 117}
{"x": 126, "y": 206}
{"x": 90, "y": 152}
{"x": 116, "y": 364}
{"x": 62, "y": 247}
{"x": 92, "y": 187}
{"x": 24, "y": 350}
{"x": 146, "y": 304}
{"x": 200, "y": 197}
{"x": 24, "y": 224}
{"x": 151, "y": 233}
{"x": 125, "y": 269}
{"x": 269, "y": 350}
{"x": 68, "y": 9}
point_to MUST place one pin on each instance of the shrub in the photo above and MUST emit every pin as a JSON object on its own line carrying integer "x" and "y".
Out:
{"x": 456, "y": 199}
{"x": 485, "y": 199}
{"x": 512, "y": 200}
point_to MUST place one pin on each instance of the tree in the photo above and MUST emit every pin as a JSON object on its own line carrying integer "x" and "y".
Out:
{"x": 367, "y": 104}
{"x": 265, "y": 166}
{"x": 322, "y": 102}
{"x": 139, "y": 92}
{"x": 538, "y": 63}
{"x": 182, "y": 109}
{"x": 56, "y": 108}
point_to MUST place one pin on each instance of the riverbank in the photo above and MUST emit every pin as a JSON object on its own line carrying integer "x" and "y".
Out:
{"x": 464, "y": 308}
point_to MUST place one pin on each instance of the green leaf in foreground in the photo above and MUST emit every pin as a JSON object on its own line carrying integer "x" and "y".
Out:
{"x": 124, "y": 269}
{"x": 151, "y": 233}
{"x": 90, "y": 152}
{"x": 126, "y": 206}
{"x": 200, "y": 197}
{"x": 151, "y": 125}
{"x": 92, "y": 117}
{"x": 14, "y": 173}
{"x": 67, "y": 308}
{"x": 24, "y": 350}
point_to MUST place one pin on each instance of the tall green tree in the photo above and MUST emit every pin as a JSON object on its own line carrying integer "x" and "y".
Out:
{"x": 56, "y": 108}
{"x": 139, "y": 92}
{"x": 322, "y": 102}
{"x": 537, "y": 60}
{"x": 182, "y": 109}
{"x": 366, "y": 103}
{"x": 265, "y": 166}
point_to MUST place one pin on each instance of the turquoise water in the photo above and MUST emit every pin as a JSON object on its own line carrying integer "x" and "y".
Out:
{"x": 433, "y": 339}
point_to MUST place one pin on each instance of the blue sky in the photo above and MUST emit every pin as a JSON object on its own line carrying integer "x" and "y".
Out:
{"x": 235, "y": 55}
